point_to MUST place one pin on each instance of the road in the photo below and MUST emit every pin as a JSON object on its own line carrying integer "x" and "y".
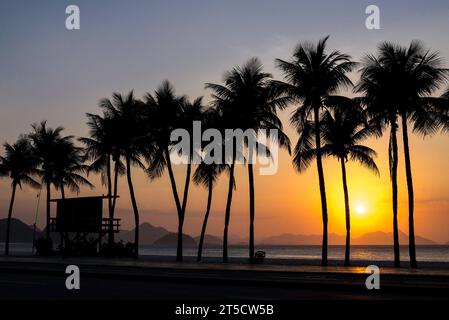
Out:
{"x": 122, "y": 289}
{"x": 35, "y": 285}
{"x": 44, "y": 278}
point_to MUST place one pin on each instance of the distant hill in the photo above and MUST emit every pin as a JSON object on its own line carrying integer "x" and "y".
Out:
{"x": 210, "y": 241}
{"x": 371, "y": 238}
{"x": 300, "y": 239}
{"x": 386, "y": 238}
{"x": 237, "y": 239}
{"x": 171, "y": 240}
{"x": 148, "y": 234}
{"x": 20, "y": 232}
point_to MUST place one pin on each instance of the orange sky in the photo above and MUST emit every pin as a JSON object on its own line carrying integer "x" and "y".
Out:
{"x": 288, "y": 202}
{"x": 50, "y": 73}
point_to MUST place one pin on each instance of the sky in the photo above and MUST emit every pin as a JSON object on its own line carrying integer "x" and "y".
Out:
{"x": 48, "y": 72}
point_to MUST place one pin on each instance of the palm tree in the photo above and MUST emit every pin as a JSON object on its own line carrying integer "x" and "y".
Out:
{"x": 208, "y": 171}
{"x": 263, "y": 99}
{"x": 45, "y": 143}
{"x": 398, "y": 83}
{"x": 191, "y": 111}
{"x": 313, "y": 75}
{"x": 342, "y": 131}
{"x": 166, "y": 112}
{"x": 247, "y": 100}
{"x": 69, "y": 167}
{"x": 20, "y": 164}
{"x": 224, "y": 104}
{"x": 207, "y": 176}
{"x": 128, "y": 119}
{"x": 101, "y": 150}
{"x": 374, "y": 86}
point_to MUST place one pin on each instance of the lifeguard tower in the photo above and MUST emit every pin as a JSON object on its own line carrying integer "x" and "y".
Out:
{"x": 81, "y": 225}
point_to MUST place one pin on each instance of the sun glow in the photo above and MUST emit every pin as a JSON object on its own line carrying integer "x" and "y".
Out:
{"x": 360, "y": 209}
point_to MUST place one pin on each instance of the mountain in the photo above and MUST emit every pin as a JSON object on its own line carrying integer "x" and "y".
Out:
{"x": 149, "y": 235}
{"x": 171, "y": 240}
{"x": 210, "y": 241}
{"x": 299, "y": 239}
{"x": 235, "y": 239}
{"x": 371, "y": 238}
{"x": 20, "y": 232}
{"x": 147, "y": 232}
{"x": 386, "y": 238}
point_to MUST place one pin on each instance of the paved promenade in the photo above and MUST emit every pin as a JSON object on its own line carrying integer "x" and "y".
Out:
{"x": 109, "y": 278}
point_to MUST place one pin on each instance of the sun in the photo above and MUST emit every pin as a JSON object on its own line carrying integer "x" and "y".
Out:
{"x": 360, "y": 209}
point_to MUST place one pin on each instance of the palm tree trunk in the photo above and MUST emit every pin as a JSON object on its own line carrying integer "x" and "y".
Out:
{"x": 411, "y": 204}
{"x": 111, "y": 214}
{"x": 394, "y": 186}
{"x": 228, "y": 212}
{"x": 8, "y": 224}
{"x": 135, "y": 209}
{"x": 206, "y": 217}
{"x": 179, "y": 251}
{"x": 186, "y": 187}
{"x": 179, "y": 254}
{"x": 114, "y": 199}
{"x": 251, "y": 212}
{"x": 47, "y": 231}
{"x": 61, "y": 233}
{"x": 319, "y": 165}
{"x": 177, "y": 202}
{"x": 347, "y": 213}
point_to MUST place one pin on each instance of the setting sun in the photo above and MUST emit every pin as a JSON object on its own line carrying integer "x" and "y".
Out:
{"x": 360, "y": 209}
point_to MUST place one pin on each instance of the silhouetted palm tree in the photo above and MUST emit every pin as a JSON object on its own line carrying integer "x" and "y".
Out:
{"x": 128, "y": 118}
{"x": 45, "y": 143}
{"x": 69, "y": 167}
{"x": 207, "y": 176}
{"x": 208, "y": 171}
{"x": 101, "y": 150}
{"x": 397, "y": 83}
{"x": 191, "y": 111}
{"x": 167, "y": 112}
{"x": 312, "y": 75}
{"x": 20, "y": 164}
{"x": 225, "y": 104}
{"x": 342, "y": 130}
{"x": 374, "y": 88}
{"x": 248, "y": 101}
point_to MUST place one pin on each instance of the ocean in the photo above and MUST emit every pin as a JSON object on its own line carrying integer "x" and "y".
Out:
{"x": 430, "y": 253}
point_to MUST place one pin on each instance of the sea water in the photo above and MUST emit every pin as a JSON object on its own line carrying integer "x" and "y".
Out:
{"x": 428, "y": 253}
